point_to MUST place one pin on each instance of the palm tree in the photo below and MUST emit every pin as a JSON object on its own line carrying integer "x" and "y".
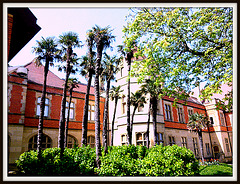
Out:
{"x": 110, "y": 67}
{"x": 114, "y": 95}
{"x": 154, "y": 90}
{"x": 137, "y": 100}
{"x": 88, "y": 70}
{"x": 102, "y": 38}
{"x": 72, "y": 83}
{"x": 46, "y": 50}
{"x": 197, "y": 123}
{"x": 68, "y": 41}
{"x": 128, "y": 53}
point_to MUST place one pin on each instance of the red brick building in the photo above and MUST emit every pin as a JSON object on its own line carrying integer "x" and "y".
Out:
{"x": 24, "y": 93}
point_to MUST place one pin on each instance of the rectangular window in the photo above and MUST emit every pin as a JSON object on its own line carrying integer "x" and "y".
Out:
{"x": 91, "y": 112}
{"x": 222, "y": 119}
{"x": 180, "y": 115}
{"x": 71, "y": 115}
{"x": 190, "y": 112}
{"x": 121, "y": 71}
{"x": 168, "y": 112}
{"x": 124, "y": 139}
{"x": 171, "y": 140}
{"x": 160, "y": 138}
{"x": 195, "y": 146}
{"x": 46, "y": 109}
{"x": 141, "y": 139}
{"x": 227, "y": 145}
{"x": 207, "y": 148}
{"x": 184, "y": 142}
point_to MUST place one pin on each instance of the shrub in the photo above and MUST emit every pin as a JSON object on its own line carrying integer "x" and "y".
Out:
{"x": 169, "y": 161}
{"x": 216, "y": 170}
{"x": 75, "y": 162}
{"x": 121, "y": 161}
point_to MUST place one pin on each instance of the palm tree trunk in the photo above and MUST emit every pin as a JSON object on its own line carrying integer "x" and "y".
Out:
{"x": 63, "y": 108}
{"x": 131, "y": 124}
{"x": 114, "y": 114}
{"x": 148, "y": 122}
{"x": 42, "y": 108}
{"x": 128, "y": 101}
{"x": 97, "y": 109}
{"x": 85, "y": 115}
{"x": 105, "y": 117}
{"x": 201, "y": 144}
{"x": 154, "y": 108}
{"x": 67, "y": 122}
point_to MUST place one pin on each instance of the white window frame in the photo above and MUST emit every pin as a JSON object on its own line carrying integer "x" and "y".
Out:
{"x": 46, "y": 109}
{"x": 91, "y": 112}
{"x": 72, "y": 110}
{"x": 142, "y": 141}
{"x": 123, "y": 139}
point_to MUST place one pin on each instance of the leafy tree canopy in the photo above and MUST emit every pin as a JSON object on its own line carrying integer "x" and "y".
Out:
{"x": 182, "y": 47}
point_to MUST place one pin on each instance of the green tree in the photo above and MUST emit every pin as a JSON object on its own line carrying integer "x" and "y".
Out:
{"x": 197, "y": 123}
{"x": 103, "y": 38}
{"x": 72, "y": 83}
{"x": 185, "y": 45}
{"x": 137, "y": 99}
{"x": 88, "y": 71}
{"x": 46, "y": 50}
{"x": 110, "y": 67}
{"x": 114, "y": 95}
{"x": 154, "y": 90}
{"x": 68, "y": 41}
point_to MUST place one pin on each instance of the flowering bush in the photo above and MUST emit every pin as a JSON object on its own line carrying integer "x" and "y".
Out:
{"x": 211, "y": 162}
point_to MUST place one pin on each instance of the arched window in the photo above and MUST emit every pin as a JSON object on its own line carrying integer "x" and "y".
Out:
{"x": 91, "y": 141}
{"x": 46, "y": 109}
{"x": 71, "y": 141}
{"x": 46, "y": 142}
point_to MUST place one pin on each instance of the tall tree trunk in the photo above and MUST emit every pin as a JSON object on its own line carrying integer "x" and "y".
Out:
{"x": 148, "y": 122}
{"x": 63, "y": 106}
{"x": 114, "y": 114}
{"x": 105, "y": 116}
{"x": 201, "y": 144}
{"x": 97, "y": 109}
{"x": 154, "y": 108}
{"x": 85, "y": 115}
{"x": 131, "y": 124}
{"x": 42, "y": 108}
{"x": 129, "y": 138}
{"x": 67, "y": 122}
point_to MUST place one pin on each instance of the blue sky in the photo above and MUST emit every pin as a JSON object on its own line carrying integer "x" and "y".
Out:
{"x": 55, "y": 21}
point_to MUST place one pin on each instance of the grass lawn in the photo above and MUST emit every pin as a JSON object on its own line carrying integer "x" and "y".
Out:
{"x": 216, "y": 170}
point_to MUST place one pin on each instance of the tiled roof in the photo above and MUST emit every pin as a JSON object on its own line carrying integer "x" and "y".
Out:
{"x": 35, "y": 74}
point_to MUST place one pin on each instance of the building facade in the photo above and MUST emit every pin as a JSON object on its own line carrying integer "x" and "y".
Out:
{"x": 172, "y": 123}
{"x": 24, "y": 94}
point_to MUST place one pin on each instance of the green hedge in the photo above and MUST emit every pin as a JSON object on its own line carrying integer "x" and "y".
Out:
{"x": 119, "y": 161}
{"x": 75, "y": 162}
